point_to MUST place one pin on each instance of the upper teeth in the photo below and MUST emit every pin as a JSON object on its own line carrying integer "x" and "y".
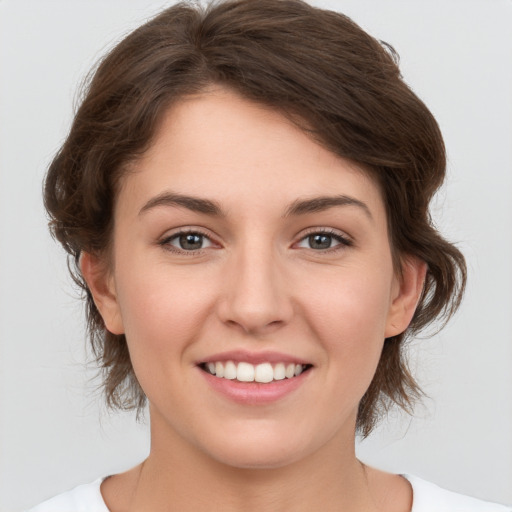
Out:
{"x": 247, "y": 372}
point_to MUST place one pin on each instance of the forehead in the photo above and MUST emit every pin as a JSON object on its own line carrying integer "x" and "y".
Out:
{"x": 218, "y": 144}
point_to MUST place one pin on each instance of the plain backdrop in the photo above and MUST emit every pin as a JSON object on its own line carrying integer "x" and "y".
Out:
{"x": 54, "y": 432}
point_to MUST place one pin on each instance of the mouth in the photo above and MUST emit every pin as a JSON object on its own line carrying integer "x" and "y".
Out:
{"x": 263, "y": 373}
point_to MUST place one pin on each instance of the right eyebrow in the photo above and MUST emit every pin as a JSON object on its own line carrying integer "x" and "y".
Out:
{"x": 195, "y": 204}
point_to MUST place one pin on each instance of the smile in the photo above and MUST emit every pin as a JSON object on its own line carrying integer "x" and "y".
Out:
{"x": 247, "y": 372}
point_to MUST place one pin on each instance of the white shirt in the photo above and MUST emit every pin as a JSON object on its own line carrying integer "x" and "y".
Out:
{"x": 427, "y": 497}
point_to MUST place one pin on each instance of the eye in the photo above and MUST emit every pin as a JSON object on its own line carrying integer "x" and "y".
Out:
{"x": 187, "y": 241}
{"x": 323, "y": 240}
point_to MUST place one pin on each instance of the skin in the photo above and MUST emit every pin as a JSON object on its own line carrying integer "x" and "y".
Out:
{"x": 257, "y": 284}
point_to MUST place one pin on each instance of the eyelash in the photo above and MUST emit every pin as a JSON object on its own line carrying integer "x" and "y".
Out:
{"x": 343, "y": 241}
{"x": 166, "y": 242}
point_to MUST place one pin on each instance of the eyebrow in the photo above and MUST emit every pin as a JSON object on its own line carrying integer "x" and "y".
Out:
{"x": 319, "y": 204}
{"x": 209, "y": 207}
{"x": 194, "y": 204}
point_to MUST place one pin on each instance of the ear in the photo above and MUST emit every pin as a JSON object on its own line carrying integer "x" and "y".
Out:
{"x": 406, "y": 294}
{"x": 102, "y": 286}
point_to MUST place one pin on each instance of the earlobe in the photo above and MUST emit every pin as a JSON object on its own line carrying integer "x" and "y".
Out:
{"x": 408, "y": 291}
{"x": 102, "y": 287}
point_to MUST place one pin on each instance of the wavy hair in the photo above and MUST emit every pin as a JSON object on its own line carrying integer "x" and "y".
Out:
{"x": 317, "y": 67}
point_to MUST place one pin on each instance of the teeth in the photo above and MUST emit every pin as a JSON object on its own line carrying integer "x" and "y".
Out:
{"x": 246, "y": 372}
{"x": 279, "y": 371}
{"x": 219, "y": 369}
{"x": 230, "y": 370}
{"x": 290, "y": 371}
{"x": 264, "y": 373}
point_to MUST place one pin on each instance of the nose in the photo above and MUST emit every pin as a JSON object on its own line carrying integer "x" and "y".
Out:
{"x": 255, "y": 296}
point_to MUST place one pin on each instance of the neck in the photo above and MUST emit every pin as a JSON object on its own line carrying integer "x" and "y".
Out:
{"x": 177, "y": 476}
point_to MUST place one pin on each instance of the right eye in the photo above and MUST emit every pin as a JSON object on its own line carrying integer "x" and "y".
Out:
{"x": 187, "y": 241}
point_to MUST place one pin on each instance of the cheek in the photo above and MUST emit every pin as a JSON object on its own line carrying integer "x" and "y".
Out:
{"x": 349, "y": 317}
{"x": 354, "y": 302}
{"x": 162, "y": 311}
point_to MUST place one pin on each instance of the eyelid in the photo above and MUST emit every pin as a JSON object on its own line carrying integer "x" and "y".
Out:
{"x": 343, "y": 239}
{"x": 164, "y": 241}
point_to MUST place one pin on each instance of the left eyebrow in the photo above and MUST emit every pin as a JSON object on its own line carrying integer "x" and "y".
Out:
{"x": 322, "y": 203}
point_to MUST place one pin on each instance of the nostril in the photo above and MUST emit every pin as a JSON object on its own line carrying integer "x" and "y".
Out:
{"x": 254, "y": 298}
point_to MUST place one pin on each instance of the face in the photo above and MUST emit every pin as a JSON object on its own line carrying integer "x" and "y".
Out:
{"x": 243, "y": 248}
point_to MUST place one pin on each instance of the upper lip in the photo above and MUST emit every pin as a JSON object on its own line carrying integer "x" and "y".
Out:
{"x": 254, "y": 357}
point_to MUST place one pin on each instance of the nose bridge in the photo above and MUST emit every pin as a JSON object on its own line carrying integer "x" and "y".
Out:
{"x": 256, "y": 298}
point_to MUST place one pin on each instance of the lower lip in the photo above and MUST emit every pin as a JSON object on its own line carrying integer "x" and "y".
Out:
{"x": 255, "y": 393}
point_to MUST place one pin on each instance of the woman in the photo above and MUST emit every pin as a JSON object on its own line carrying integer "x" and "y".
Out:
{"x": 244, "y": 192}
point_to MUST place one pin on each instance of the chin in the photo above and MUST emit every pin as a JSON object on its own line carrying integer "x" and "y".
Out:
{"x": 258, "y": 459}
{"x": 261, "y": 450}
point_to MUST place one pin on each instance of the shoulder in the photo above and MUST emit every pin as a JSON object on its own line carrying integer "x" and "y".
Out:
{"x": 84, "y": 498}
{"x": 428, "y": 497}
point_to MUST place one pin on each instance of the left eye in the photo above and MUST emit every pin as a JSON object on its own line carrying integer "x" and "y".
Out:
{"x": 189, "y": 241}
{"x": 322, "y": 241}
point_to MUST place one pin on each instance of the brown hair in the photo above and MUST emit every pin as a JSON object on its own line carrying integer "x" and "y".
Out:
{"x": 315, "y": 66}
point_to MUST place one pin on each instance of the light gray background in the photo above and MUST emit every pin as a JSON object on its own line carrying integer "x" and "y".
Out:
{"x": 457, "y": 56}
